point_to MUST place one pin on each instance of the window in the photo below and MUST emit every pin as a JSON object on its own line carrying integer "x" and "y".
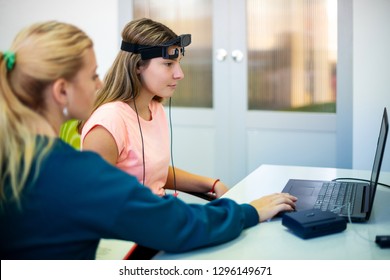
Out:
{"x": 292, "y": 55}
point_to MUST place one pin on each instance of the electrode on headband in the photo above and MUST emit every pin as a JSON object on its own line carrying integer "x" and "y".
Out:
{"x": 149, "y": 52}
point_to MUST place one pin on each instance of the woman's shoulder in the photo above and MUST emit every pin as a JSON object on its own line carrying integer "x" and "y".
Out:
{"x": 88, "y": 172}
{"x": 70, "y": 160}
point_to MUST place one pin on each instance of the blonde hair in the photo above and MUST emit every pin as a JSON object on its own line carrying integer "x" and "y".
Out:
{"x": 44, "y": 52}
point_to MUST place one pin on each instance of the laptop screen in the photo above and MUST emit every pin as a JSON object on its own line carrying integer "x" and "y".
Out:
{"x": 380, "y": 149}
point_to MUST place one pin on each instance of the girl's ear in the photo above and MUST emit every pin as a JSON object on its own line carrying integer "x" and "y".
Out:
{"x": 141, "y": 66}
{"x": 60, "y": 91}
{"x": 139, "y": 70}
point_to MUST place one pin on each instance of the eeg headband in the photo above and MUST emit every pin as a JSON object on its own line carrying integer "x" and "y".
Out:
{"x": 149, "y": 52}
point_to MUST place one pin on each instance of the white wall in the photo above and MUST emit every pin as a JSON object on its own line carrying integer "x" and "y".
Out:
{"x": 371, "y": 78}
{"x": 98, "y": 18}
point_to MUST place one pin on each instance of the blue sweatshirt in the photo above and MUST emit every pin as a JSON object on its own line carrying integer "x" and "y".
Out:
{"x": 78, "y": 198}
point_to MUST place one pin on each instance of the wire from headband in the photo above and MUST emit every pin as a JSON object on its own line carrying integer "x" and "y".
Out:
{"x": 9, "y": 58}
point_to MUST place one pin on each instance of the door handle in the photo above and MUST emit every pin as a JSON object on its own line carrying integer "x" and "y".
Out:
{"x": 221, "y": 54}
{"x": 237, "y": 55}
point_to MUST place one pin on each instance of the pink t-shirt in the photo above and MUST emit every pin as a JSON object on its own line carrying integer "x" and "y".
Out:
{"x": 121, "y": 121}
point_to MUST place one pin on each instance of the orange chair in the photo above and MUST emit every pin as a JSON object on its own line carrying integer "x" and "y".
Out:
{"x": 139, "y": 252}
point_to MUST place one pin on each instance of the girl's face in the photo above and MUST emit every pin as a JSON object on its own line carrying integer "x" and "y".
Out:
{"x": 161, "y": 76}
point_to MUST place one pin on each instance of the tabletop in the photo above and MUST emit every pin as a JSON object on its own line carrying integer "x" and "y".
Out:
{"x": 271, "y": 240}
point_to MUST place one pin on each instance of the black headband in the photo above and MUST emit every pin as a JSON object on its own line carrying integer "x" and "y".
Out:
{"x": 149, "y": 52}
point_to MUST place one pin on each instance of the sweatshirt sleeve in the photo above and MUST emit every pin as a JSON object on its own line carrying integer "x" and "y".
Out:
{"x": 112, "y": 204}
{"x": 171, "y": 225}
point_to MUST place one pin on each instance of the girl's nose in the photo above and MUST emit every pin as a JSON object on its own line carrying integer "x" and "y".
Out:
{"x": 178, "y": 73}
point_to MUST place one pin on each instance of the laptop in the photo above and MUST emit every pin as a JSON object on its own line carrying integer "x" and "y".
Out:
{"x": 355, "y": 199}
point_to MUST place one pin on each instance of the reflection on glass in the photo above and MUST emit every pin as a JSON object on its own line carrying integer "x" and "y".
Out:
{"x": 193, "y": 17}
{"x": 292, "y": 55}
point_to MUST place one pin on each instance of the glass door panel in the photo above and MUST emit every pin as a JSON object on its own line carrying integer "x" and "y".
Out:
{"x": 292, "y": 55}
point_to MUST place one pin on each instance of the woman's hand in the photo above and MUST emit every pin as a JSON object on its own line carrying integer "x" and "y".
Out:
{"x": 270, "y": 205}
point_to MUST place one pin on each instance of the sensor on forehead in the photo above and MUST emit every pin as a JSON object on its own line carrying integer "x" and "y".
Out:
{"x": 149, "y": 52}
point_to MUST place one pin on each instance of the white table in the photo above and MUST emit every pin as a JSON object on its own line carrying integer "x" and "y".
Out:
{"x": 272, "y": 241}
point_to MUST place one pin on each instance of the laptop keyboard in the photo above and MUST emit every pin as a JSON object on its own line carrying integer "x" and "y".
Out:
{"x": 335, "y": 197}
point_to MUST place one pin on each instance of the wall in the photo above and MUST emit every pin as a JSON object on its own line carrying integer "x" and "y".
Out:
{"x": 371, "y": 83}
{"x": 98, "y": 18}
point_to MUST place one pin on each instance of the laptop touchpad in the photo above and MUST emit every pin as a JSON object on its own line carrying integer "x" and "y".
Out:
{"x": 302, "y": 191}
